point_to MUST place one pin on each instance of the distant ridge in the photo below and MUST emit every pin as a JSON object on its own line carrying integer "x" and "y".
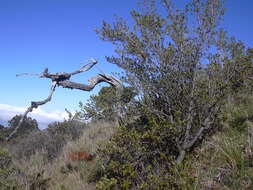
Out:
{"x": 40, "y": 125}
{"x": 4, "y": 123}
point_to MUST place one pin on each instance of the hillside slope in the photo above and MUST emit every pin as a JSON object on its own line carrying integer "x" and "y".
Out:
{"x": 223, "y": 161}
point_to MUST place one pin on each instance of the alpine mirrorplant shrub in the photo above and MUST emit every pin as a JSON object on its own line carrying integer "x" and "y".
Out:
{"x": 181, "y": 62}
{"x": 140, "y": 155}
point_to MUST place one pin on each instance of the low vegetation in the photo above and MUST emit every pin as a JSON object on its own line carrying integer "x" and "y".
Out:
{"x": 184, "y": 121}
{"x": 39, "y": 171}
{"x": 137, "y": 157}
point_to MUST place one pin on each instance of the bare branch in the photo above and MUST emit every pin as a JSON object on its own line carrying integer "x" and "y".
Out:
{"x": 39, "y": 103}
{"x": 30, "y": 109}
{"x": 63, "y": 75}
{"x": 85, "y": 67}
{"x": 30, "y": 74}
{"x": 93, "y": 82}
{"x": 62, "y": 79}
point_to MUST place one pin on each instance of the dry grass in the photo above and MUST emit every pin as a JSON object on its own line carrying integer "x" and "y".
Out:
{"x": 62, "y": 173}
{"x": 224, "y": 162}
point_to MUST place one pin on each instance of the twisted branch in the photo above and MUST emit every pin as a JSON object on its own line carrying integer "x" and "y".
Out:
{"x": 63, "y": 80}
{"x": 30, "y": 109}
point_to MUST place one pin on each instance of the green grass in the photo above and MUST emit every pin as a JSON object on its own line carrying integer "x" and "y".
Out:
{"x": 225, "y": 161}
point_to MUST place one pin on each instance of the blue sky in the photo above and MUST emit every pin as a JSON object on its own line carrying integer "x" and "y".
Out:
{"x": 59, "y": 34}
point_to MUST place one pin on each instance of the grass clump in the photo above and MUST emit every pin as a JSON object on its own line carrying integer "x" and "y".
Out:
{"x": 67, "y": 174}
{"x": 225, "y": 161}
{"x": 6, "y": 170}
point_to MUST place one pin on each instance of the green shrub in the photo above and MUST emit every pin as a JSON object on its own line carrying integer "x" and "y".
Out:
{"x": 28, "y": 126}
{"x": 51, "y": 140}
{"x": 140, "y": 156}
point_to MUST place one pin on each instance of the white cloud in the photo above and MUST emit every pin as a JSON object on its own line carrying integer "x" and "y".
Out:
{"x": 43, "y": 117}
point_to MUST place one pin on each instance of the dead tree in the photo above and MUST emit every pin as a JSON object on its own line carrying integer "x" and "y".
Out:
{"x": 63, "y": 80}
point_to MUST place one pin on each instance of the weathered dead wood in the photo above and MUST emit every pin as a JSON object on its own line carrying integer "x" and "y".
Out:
{"x": 30, "y": 109}
{"x": 63, "y": 80}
